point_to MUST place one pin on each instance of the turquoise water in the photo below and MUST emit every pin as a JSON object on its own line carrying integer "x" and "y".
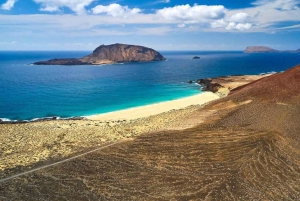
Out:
{"x": 29, "y": 91}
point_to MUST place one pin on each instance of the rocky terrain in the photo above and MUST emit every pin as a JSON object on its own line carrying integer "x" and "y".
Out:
{"x": 244, "y": 146}
{"x": 67, "y": 61}
{"x": 224, "y": 84}
{"x": 264, "y": 49}
{"x": 108, "y": 54}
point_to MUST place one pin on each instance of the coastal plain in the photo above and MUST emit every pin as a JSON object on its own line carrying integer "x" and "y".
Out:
{"x": 244, "y": 146}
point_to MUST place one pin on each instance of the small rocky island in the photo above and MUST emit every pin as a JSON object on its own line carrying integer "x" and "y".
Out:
{"x": 264, "y": 49}
{"x": 196, "y": 57}
{"x": 109, "y": 54}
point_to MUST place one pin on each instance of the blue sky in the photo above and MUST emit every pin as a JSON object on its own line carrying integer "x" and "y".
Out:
{"x": 159, "y": 24}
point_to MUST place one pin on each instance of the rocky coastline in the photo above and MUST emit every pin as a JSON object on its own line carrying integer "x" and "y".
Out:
{"x": 224, "y": 84}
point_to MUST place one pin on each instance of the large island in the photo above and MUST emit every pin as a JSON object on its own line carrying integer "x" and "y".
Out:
{"x": 264, "y": 49}
{"x": 109, "y": 54}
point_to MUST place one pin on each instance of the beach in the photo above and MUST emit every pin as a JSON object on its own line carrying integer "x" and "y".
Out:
{"x": 29, "y": 145}
{"x": 154, "y": 109}
{"x": 200, "y": 144}
{"x": 35, "y": 143}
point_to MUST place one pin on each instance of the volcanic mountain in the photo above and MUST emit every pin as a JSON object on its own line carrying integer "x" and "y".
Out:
{"x": 108, "y": 54}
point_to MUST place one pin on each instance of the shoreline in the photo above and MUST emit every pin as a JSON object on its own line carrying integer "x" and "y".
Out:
{"x": 156, "y": 108}
{"x": 32, "y": 144}
{"x": 226, "y": 84}
{"x": 160, "y": 107}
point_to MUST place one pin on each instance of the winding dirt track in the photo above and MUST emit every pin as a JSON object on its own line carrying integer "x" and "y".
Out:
{"x": 56, "y": 163}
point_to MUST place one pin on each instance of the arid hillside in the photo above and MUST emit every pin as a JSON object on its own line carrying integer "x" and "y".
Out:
{"x": 246, "y": 148}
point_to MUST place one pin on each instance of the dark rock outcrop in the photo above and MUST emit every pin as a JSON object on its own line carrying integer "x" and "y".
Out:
{"x": 196, "y": 57}
{"x": 208, "y": 85}
{"x": 264, "y": 49}
{"x": 71, "y": 61}
{"x": 108, "y": 54}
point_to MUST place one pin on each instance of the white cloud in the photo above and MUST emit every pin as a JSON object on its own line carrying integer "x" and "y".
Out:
{"x": 177, "y": 19}
{"x": 279, "y": 4}
{"x": 8, "y": 5}
{"x": 267, "y": 14}
{"x": 239, "y": 17}
{"x": 154, "y": 30}
{"x": 238, "y": 26}
{"x": 77, "y": 6}
{"x": 291, "y": 27}
{"x": 204, "y": 15}
{"x": 159, "y": 2}
{"x": 192, "y": 14}
{"x": 181, "y": 25}
{"x": 219, "y": 23}
{"x": 159, "y": 30}
{"x": 116, "y": 10}
{"x": 238, "y": 21}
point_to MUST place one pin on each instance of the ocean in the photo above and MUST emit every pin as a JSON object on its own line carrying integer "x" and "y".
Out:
{"x": 29, "y": 91}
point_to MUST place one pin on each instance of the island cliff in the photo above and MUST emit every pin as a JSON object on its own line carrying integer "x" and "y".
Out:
{"x": 108, "y": 54}
{"x": 264, "y": 49}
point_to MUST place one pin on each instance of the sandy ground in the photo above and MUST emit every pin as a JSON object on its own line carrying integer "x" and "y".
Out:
{"x": 25, "y": 146}
{"x": 154, "y": 109}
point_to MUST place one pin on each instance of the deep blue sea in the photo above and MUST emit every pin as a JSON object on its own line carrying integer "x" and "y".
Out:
{"x": 30, "y": 91}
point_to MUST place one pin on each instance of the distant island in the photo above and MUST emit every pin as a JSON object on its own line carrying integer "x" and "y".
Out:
{"x": 196, "y": 57}
{"x": 264, "y": 49}
{"x": 109, "y": 54}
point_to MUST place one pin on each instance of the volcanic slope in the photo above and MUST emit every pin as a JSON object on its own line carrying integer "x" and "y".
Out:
{"x": 247, "y": 149}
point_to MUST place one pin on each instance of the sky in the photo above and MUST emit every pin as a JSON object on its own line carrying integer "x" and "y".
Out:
{"x": 159, "y": 24}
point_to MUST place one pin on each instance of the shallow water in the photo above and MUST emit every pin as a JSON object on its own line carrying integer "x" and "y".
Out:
{"x": 29, "y": 91}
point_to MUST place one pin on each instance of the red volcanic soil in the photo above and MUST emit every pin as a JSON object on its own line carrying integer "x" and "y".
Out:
{"x": 278, "y": 87}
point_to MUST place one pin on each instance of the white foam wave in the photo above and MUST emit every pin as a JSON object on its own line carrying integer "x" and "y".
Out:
{"x": 270, "y": 72}
{"x": 4, "y": 119}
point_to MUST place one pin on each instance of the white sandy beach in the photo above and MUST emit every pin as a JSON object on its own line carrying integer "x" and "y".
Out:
{"x": 153, "y": 109}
